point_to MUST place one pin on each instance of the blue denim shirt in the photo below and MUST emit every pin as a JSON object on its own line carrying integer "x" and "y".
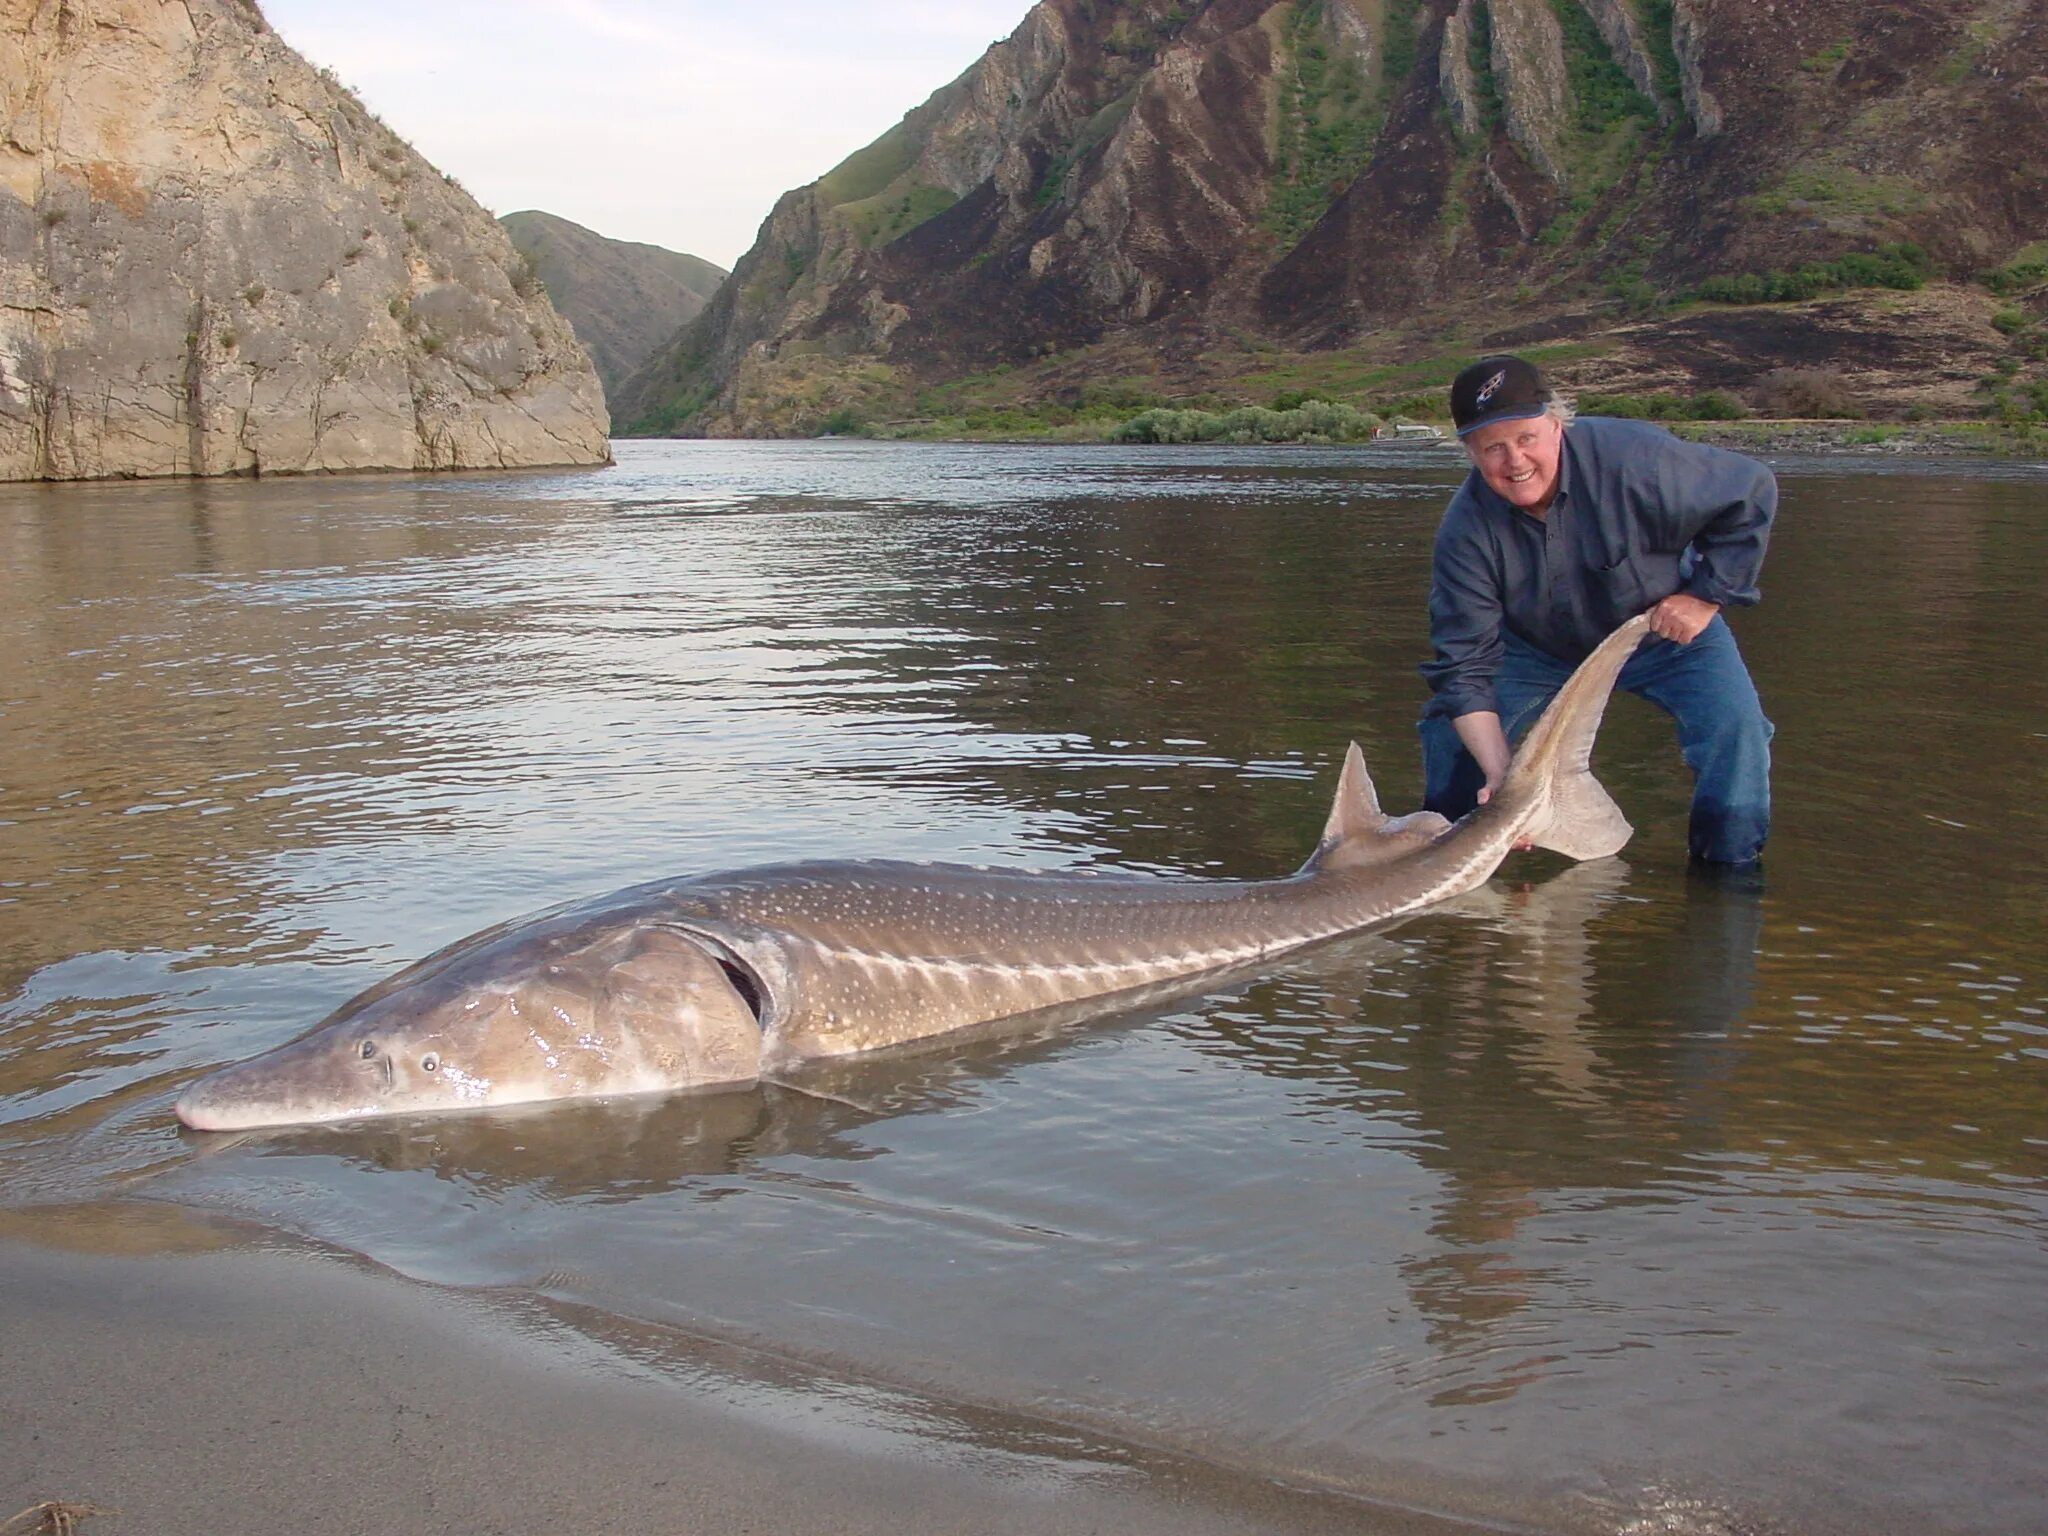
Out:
{"x": 1639, "y": 514}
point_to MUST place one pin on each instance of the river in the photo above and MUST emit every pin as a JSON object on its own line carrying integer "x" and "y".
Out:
{"x": 1608, "y": 1196}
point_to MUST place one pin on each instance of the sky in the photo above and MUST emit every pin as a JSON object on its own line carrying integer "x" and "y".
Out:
{"x": 676, "y": 122}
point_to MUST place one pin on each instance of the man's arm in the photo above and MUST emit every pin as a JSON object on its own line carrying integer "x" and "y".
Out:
{"x": 1484, "y": 738}
{"x": 1464, "y": 620}
{"x": 1488, "y": 743}
{"x": 1722, "y": 504}
{"x": 1727, "y": 502}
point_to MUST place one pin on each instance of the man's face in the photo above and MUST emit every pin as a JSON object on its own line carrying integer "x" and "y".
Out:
{"x": 1519, "y": 459}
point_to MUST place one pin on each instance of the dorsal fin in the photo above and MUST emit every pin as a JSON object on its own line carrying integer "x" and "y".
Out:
{"x": 1356, "y": 810}
{"x": 1359, "y": 832}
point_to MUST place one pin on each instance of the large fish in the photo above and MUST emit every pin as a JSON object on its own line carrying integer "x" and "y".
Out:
{"x": 729, "y": 978}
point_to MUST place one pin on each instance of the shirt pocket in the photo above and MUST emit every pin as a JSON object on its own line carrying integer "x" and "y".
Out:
{"x": 1635, "y": 582}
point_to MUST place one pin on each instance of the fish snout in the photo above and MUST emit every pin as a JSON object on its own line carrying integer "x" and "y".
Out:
{"x": 307, "y": 1082}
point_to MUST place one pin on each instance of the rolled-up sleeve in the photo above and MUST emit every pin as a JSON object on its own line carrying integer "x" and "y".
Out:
{"x": 1464, "y": 623}
{"x": 1729, "y": 501}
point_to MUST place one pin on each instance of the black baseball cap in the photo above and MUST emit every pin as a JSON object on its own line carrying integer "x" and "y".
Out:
{"x": 1497, "y": 389}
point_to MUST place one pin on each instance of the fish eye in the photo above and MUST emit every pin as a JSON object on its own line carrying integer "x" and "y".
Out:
{"x": 430, "y": 1062}
{"x": 369, "y": 1049}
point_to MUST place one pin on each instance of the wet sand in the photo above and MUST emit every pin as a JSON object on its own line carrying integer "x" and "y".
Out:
{"x": 261, "y": 1387}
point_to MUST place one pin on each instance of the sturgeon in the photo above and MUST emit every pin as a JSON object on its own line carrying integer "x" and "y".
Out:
{"x": 726, "y": 979}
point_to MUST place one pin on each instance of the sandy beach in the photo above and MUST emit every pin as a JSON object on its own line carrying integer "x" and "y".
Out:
{"x": 220, "y": 1381}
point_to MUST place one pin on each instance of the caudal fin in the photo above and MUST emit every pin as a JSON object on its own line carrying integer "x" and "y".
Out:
{"x": 1553, "y": 767}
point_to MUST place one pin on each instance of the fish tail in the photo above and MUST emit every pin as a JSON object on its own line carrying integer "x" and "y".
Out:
{"x": 1553, "y": 767}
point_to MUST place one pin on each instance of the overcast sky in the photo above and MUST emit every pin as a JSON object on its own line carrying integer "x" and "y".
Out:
{"x": 677, "y": 122}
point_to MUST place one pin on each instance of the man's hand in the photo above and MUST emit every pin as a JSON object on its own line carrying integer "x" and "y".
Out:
{"x": 1681, "y": 617}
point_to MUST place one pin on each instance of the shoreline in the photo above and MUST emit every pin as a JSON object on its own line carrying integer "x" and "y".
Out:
{"x": 1851, "y": 441}
{"x": 183, "y": 1376}
{"x": 1848, "y": 438}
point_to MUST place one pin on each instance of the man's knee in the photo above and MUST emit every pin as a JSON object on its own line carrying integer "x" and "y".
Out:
{"x": 1732, "y": 731}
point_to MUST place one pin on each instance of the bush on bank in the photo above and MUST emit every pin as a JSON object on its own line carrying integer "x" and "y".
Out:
{"x": 1713, "y": 405}
{"x": 1313, "y": 421}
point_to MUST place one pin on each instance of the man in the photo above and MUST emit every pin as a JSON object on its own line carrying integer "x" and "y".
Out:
{"x": 1563, "y": 530}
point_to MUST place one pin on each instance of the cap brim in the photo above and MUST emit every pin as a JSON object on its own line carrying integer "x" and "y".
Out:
{"x": 1526, "y": 413}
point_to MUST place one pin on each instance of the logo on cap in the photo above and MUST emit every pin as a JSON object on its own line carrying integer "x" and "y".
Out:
{"x": 1486, "y": 390}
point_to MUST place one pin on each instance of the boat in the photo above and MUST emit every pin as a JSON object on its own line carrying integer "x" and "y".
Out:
{"x": 1411, "y": 432}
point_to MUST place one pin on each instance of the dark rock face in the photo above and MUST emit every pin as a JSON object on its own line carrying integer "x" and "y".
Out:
{"x": 1317, "y": 172}
{"x": 623, "y": 298}
{"x": 214, "y": 261}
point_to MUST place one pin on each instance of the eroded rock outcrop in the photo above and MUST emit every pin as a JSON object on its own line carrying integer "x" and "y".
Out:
{"x": 1098, "y": 167}
{"x": 1455, "y": 76}
{"x": 213, "y": 260}
{"x": 1626, "y": 38}
{"x": 1688, "y": 37}
{"x": 1528, "y": 61}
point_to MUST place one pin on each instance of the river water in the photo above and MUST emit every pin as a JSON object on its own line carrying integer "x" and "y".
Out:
{"x": 1610, "y": 1198}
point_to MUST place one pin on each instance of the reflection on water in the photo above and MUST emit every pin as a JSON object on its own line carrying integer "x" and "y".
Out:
{"x": 1610, "y": 1179}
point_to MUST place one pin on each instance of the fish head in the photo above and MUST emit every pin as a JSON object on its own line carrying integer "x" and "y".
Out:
{"x": 512, "y": 1021}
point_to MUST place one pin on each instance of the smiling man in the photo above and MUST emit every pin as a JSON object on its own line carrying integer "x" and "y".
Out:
{"x": 1564, "y": 529}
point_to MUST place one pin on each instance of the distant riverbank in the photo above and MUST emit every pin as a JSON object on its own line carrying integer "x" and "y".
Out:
{"x": 1243, "y": 425}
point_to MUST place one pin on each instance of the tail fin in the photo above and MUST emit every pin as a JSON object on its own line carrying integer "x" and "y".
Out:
{"x": 1359, "y": 832}
{"x": 1554, "y": 764}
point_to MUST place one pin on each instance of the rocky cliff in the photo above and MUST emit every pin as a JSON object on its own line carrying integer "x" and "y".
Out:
{"x": 213, "y": 260}
{"x": 624, "y": 298}
{"x": 1183, "y": 177}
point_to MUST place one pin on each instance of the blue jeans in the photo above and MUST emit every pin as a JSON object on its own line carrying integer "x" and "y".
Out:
{"x": 1704, "y": 686}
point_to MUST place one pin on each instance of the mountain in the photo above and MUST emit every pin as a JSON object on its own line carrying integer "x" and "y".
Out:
{"x": 213, "y": 260}
{"x": 1209, "y": 195}
{"x": 624, "y": 299}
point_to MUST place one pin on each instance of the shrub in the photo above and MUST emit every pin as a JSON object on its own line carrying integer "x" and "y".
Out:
{"x": 1806, "y": 392}
{"x": 1313, "y": 421}
{"x": 1828, "y": 60}
{"x": 1118, "y": 398}
{"x": 2016, "y": 276}
{"x": 1660, "y": 407}
{"x": 1712, "y": 405}
{"x": 2011, "y": 320}
{"x": 1895, "y": 266}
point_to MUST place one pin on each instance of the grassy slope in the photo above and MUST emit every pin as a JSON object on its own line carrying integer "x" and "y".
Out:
{"x": 1085, "y": 394}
